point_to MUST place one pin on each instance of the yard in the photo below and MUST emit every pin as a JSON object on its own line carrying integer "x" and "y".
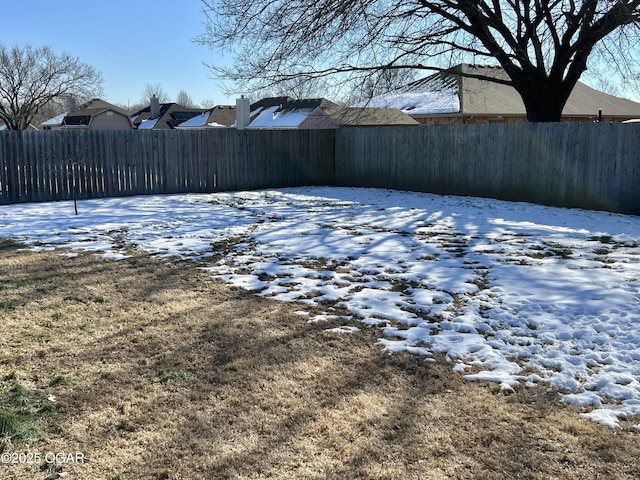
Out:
{"x": 318, "y": 333}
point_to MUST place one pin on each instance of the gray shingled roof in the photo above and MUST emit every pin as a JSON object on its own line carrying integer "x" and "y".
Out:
{"x": 355, "y": 116}
{"x": 481, "y": 96}
{"x": 450, "y": 92}
{"x": 171, "y": 115}
{"x": 95, "y": 107}
{"x": 218, "y": 116}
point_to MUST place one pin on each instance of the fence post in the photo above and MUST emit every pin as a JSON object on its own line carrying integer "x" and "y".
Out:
{"x": 13, "y": 160}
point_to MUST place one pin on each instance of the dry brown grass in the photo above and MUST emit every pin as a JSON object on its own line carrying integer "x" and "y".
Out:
{"x": 161, "y": 373}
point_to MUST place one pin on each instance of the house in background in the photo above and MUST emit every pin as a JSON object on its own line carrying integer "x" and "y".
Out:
{"x": 319, "y": 113}
{"x": 93, "y": 115}
{"x": 220, "y": 116}
{"x": 452, "y": 98}
{"x": 163, "y": 116}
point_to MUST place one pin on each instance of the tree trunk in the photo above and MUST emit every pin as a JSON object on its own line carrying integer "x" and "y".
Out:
{"x": 544, "y": 111}
{"x": 545, "y": 100}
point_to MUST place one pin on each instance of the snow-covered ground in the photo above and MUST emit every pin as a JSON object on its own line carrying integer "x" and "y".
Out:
{"x": 509, "y": 292}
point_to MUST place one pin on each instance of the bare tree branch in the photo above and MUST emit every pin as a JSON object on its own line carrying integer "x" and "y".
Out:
{"x": 31, "y": 77}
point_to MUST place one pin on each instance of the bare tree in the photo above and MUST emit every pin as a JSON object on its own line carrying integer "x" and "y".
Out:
{"x": 32, "y": 77}
{"x": 185, "y": 99}
{"x": 208, "y": 103}
{"x": 542, "y": 45}
{"x": 70, "y": 161}
{"x": 154, "y": 89}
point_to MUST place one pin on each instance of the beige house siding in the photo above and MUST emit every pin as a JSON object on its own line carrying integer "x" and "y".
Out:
{"x": 110, "y": 120}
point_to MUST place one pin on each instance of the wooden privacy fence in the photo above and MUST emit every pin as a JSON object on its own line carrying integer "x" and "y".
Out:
{"x": 63, "y": 165}
{"x": 595, "y": 166}
{"x": 584, "y": 165}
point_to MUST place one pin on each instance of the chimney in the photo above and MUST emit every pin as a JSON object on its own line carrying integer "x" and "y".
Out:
{"x": 243, "y": 108}
{"x": 71, "y": 104}
{"x": 155, "y": 107}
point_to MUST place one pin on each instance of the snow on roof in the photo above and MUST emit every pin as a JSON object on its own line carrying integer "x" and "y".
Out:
{"x": 197, "y": 121}
{"x": 148, "y": 124}
{"x": 413, "y": 103}
{"x": 221, "y": 113}
{"x": 432, "y": 95}
{"x": 272, "y": 118}
{"x": 55, "y": 121}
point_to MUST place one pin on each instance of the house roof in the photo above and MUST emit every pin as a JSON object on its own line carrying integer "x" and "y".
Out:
{"x": 334, "y": 117}
{"x": 219, "y": 116}
{"x": 452, "y": 93}
{"x": 171, "y": 115}
{"x": 587, "y": 99}
{"x": 284, "y": 112}
{"x": 95, "y": 107}
{"x": 83, "y": 114}
{"x": 269, "y": 102}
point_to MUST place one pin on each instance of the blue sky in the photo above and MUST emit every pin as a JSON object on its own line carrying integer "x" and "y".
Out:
{"x": 132, "y": 42}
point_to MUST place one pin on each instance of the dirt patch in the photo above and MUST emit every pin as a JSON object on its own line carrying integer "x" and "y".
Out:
{"x": 149, "y": 370}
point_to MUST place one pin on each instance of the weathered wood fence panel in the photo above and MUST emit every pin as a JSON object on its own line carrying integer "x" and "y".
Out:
{"x": 62, "y": 165}
{"x": 582, "y": 165}
{"x": 593, "y": 166}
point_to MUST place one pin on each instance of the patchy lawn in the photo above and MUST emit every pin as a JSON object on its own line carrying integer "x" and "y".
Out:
{"x": 141, "y": 369}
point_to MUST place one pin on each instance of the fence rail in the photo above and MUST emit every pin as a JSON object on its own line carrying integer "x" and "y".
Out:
{"x": 595, "y": 166}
